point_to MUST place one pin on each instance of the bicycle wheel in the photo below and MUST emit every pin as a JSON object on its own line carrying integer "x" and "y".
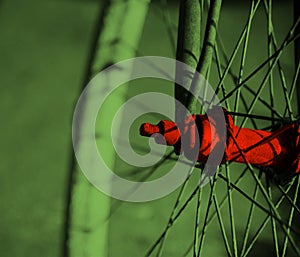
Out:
{"x": 244, "y": 210}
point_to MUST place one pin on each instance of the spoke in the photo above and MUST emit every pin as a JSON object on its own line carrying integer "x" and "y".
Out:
{"x": 115, "y": 206}
{"x": 172, "y": 219}
{"x": 272, "y": 39}
{"x": 222, "y": 203}
{"x": 152, "y": 169}
{"x": 263, "y": 225}
{"x": 197, "y": 220}
{"x": 291, "y": 217}
{"x": 277, "y": 54}
{"x": 203, "y": 233}
{"x": 260, "y": 206}
{"x": 265, "y": 103}
{"x": 237, "y": 46}
{"x": 288, "y": 198}
{"x": 169, "y": 224}
{"x": 254, "y": 116}
{"x": 225, "y": 56}
{"x": 294, "y": 84}
{"x": 243, "y": 193}
{"x": 220, "y": 72}
{"x": 235, "y": 79}
{"x": 237, "y": 96}
{"x": 231, "y": 214}
{"x": 273, "y": 224}
{"x": 270, "y": 30}
{"x": 223, "y": 231}
{"x": 285, "y": 92}
{"x": 250, "y": 217}
{"x": 226, "y": 59}
{"x": 269, "y": 59}
{"x": 246, "y": 107}
{"x": 259, "y": 91}
{"x": 275, "y": 212}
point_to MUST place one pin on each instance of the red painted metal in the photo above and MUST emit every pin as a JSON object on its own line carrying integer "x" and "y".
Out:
{"x": 279, "y": 150}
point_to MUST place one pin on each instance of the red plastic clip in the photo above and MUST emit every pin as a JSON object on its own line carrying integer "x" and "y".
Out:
{"x": 279, "y": 150}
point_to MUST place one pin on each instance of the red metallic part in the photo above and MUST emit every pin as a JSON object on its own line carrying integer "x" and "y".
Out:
{"x": 278, "y": 150}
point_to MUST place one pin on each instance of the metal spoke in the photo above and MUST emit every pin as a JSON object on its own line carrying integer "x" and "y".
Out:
{"x": 285, "y": 244}
{"x": 238, "y": 92}
{"x": 273, "y": 224}
{"x": 173, "y": 217}
{"x": 276, "y": 55}
{"x": 272, "y": 41}
{"x": 237, "y": 46}
{"x": 274, "y": 213}
{"x": 262, "y": 226}
{"x": 202, "y": 236}
{"x": 221, "y": 205}
{"x": 197, "y": 219}
{"x": 231, "y": 212}
{"x": 250, "y": 218}
{"x": 223, "y": 230}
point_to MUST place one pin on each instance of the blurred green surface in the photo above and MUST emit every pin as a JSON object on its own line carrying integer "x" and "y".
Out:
{"x": 43, "y": 54}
